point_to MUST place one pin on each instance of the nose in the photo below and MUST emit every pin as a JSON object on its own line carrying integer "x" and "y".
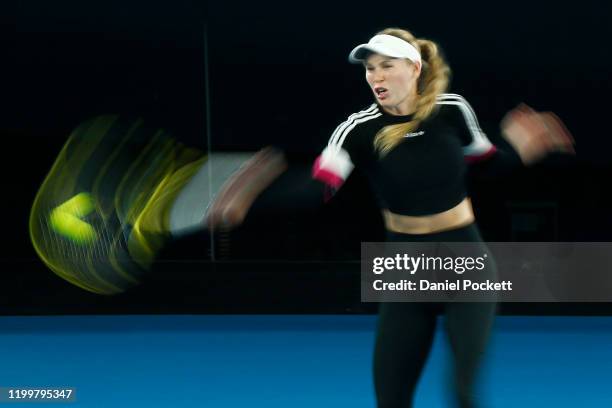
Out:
{"x": 378, "y": 76}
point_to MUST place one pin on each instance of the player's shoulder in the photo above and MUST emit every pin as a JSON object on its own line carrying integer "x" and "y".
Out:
{"x": 356, "y": 123}
{"x": 362, "y": 116}
{"x": 451, "y": 102}
{"x": 454, "y": 106}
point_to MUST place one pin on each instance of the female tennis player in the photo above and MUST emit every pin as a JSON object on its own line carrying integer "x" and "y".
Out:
{"x": 415, "y": 144}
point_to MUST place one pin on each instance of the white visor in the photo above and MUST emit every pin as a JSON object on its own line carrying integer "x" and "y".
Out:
{"x": 387, "y": 45}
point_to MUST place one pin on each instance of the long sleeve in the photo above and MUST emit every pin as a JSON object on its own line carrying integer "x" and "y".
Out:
{"x": 482, "y": 156}
{"x": 347, "y": 148}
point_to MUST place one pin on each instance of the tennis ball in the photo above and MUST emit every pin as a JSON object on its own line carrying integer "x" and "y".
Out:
{"x": 80, "y": 205}
{"x": 66, "y": 219}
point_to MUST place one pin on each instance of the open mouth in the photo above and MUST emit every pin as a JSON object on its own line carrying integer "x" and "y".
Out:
{"x": 381, "y": 92}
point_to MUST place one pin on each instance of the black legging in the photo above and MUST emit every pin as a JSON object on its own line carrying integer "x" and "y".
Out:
{"x": 406, "y": 332}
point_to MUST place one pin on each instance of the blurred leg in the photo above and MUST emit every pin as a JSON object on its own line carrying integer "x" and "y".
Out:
{"x": 404, "y": 338}
{"x": 468, "y": 326}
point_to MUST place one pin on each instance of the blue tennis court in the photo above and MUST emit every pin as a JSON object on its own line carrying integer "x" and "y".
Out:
{"x": 269, "y": 361}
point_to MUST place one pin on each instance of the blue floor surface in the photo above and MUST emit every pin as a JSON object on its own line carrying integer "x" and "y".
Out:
{"x": 290, "y": 361}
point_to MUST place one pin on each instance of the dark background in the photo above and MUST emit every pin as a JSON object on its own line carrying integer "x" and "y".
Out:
{"x": 278, "y": 74}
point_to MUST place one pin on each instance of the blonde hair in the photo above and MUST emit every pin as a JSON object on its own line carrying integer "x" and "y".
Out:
{"x": 433, "y": 81}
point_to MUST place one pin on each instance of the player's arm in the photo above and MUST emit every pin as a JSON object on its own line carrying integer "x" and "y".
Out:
{"x": 347, "y": 148}
{"x": 238, "y": 194}
{"x": 534, "y": 135}
{"x": 530, "y": 136}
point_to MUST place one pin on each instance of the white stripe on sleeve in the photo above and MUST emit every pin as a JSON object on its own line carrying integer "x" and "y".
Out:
{"x": 480, "y": 144}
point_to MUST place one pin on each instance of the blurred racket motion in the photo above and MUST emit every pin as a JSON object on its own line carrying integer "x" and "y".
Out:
{"x": 120, "y": 189}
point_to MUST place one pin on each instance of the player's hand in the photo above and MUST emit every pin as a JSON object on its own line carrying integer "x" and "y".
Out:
{"x": 534, "y": 135}
{"x": 237, "y": 195}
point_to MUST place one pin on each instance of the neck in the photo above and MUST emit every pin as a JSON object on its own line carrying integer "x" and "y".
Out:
{"x": 406, "y": 107}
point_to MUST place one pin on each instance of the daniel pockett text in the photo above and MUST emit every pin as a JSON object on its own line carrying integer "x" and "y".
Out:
{"x": 479, "y": 272}
{"x": 412, "y": 264}
{"x": 428, "y": 273}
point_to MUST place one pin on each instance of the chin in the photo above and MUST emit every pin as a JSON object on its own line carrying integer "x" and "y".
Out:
{"x": 386, "y": 104}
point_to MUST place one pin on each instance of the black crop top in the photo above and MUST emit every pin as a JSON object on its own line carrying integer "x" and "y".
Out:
{"x": 425, "y": 173}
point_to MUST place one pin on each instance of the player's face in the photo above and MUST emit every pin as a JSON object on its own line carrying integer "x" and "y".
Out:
{"x": 393, "y": 82}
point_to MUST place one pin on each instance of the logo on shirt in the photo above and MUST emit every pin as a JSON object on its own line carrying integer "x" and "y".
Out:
{"x": 414, "y": 134}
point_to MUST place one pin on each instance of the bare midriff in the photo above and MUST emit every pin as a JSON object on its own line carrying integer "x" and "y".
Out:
{"x": 459, "y": 216}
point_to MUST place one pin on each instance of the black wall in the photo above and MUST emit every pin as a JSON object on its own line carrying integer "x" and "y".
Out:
{"x": 278, "y": 74}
